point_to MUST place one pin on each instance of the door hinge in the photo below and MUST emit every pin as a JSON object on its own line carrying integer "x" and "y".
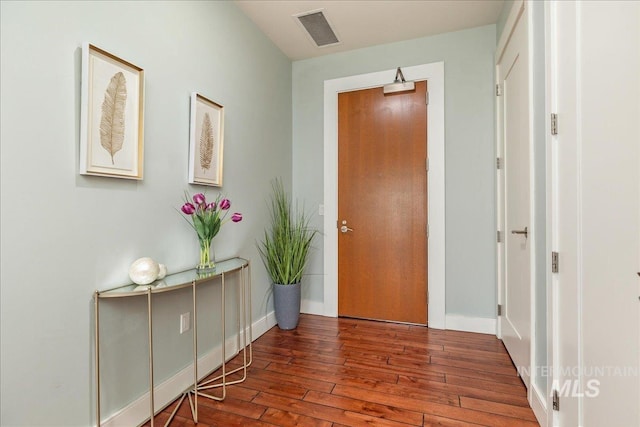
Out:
{"x": 498, "y": 163}
{"x": 499, "y": 309}
{"x": 498, "y": 90}
{"x": 427, "y": 163}
{"x": 556, "y": 400}
{"x": 554, "y": 262}
{"x": 554, "y": 124}
{"x": 427, "y": 98}
{"x": 427, "y": 231}
{"x": 498, "y": 236}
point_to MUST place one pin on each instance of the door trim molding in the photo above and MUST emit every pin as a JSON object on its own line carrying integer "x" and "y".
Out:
{"x": 434, "y": 74}
{"x": 517, "y": 8}
{"x": 520, "y": 15}
{"x": 515, "y": 14}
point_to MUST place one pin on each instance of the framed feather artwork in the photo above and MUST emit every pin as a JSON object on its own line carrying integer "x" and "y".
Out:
{"x": 206, "y": 141}
{"x": 112, "y": 115}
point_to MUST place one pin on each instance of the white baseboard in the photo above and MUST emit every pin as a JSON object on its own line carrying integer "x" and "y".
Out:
{"x": 312, "y": 307}
{"x": 138, "y": 411}
{"x": 262, "y": 325}
{"x": 480, "y": 325}
{"x": 538, "y": 402}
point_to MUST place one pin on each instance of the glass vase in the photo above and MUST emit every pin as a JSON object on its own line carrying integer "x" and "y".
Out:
{"x": 207, "y": 258}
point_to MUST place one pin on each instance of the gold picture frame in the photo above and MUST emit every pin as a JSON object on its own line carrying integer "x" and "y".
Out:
{"x": 112, "y": 116}
{"x": 206, "y": 141}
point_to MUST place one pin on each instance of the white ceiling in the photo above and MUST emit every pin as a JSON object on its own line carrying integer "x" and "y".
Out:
{"x": 362, "y": 23}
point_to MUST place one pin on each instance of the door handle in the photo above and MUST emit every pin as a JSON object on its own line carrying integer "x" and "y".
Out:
{"x": 525, "y": 232}
{"x": 344, "y": 228}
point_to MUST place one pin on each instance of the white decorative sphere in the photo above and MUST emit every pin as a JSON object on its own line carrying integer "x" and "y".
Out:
{"x": 144, "y": 271}
{"x": 162, "y": 271}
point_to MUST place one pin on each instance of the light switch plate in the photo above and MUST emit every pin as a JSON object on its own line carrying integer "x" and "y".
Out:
{"x": 185, "y": 322}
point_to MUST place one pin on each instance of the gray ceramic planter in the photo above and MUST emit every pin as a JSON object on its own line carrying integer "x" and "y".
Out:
{"x": 286, "y": 299}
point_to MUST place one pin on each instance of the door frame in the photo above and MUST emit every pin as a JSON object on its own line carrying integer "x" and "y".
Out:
{"x": 434, "y": 74}
{"x": 582, "y": 341}
{"x": 517, "y": 9}
{"x": 519, "y": 15}
{"x": 537, "y": 398}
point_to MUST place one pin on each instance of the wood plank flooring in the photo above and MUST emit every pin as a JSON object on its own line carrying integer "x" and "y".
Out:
{"x": 346, "y": 372}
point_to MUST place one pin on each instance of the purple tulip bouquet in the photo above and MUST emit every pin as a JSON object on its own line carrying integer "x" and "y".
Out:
{"x": 206, "y": 220}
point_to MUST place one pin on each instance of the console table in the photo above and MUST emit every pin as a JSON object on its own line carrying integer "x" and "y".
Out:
{"x": 173, "y": 282}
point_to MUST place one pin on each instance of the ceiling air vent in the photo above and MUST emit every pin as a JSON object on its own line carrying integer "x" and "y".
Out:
{"x": 318, "y": 28}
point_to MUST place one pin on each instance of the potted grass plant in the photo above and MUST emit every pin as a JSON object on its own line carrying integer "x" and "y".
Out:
{"x": 285, "y": 251}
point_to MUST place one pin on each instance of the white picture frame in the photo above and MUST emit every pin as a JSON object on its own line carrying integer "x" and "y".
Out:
{"x": 112, "y": 116}
{"x": 206, "y": 141}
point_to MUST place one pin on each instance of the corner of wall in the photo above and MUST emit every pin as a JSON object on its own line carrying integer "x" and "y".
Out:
{"x": 481, "y": 325}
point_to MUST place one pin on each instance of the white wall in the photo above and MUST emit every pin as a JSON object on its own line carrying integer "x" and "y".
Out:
{"x": 65, "y": 235}
{"x": 469, "y": 150}
{"x": 609, "y": 134}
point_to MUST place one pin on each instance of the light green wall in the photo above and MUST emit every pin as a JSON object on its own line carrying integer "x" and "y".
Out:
{"x": 470, "y": 152}
{"x": 65, "y": 235}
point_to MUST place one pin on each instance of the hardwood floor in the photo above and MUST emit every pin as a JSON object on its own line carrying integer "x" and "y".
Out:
{"x": 346, "y": 372}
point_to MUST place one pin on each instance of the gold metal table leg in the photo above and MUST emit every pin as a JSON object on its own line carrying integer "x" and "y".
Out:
{"x": 96, "y": 334}
{"x": 248, "y": 306}
{"x": 207, "y": 384}
{"x": 151, "y": 387}
{"x": 194, "y": 409}
{"x": 244, "y": 323}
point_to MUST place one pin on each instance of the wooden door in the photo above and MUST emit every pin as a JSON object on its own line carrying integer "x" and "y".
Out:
{"x": 382, "y": 202}
{"x": 513, "y": 77}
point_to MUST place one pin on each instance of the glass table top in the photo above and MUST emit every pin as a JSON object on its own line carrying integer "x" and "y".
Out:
{"x": 175, "y": 280}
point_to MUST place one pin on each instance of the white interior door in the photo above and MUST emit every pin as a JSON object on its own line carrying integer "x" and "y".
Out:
{"x": 594, "y": 76}
{"x": 513, "y": 78}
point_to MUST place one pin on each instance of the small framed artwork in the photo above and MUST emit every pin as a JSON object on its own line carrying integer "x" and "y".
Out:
{"x": 112, "y": 115}
{"x": 206, "y": 141}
